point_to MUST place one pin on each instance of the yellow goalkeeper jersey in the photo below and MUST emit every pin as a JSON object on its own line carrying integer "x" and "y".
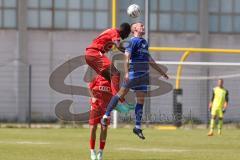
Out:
{"x": 220, "y": 95}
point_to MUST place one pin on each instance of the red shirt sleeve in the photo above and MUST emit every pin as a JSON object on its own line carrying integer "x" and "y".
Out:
{"x": 115, "y": 35}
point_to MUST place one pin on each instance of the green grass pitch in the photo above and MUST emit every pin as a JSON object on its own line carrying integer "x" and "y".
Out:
{"x": 72, "y": 144}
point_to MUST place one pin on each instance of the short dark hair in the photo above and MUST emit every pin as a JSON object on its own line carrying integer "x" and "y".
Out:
{"x": 125, "y": 27}
{"x": 125, "y": 30}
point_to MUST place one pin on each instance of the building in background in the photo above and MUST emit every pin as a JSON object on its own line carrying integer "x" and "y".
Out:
{"x": 47, "y": 33}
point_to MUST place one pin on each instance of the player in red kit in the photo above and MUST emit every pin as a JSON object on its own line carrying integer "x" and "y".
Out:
{"x": 100, "y": 90}
{"x": 96, "y": 58}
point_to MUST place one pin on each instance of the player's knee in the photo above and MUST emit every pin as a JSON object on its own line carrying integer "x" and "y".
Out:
{"x": 122, "y": 92}
{"x": 104, "y": 129}
{"x": 94, "y": 128}
{"x": 140, "y": 102}
{"x": 214, "y": 117}
{"x": 140, "y": 97}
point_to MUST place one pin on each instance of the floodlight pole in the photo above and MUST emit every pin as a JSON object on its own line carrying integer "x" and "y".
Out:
{"x": 30, "y": 96}
{"x": 21, "y": 61}
{"x": 148, "y": 100}
{"x": 114, "y": 24}
{"x": 147, "y": 20}
{"x": 204, "y": 35}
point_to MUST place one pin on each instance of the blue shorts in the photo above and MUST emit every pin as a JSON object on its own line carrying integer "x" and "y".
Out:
{"x": 138, "y": 81}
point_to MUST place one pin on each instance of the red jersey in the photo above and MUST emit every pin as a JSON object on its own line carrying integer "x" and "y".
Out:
{"x": 101, "y": 90}
{"x": 104, "y": 41}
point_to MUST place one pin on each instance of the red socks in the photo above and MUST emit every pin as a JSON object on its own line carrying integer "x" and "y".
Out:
{"x": 92, "y": 143}
{"x": 102, "y": 144}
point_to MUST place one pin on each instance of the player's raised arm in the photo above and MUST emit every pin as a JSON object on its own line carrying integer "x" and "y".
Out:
{"x": 155, "y": 66}
{"x": 126, "y": 64}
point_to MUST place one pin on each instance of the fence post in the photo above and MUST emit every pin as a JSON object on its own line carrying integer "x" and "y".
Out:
{"x": 177, "y": 107}
{"x": 29, "y": 96}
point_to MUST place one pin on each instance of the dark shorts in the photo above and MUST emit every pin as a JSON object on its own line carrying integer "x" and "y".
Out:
{"x": 138, "y": 81}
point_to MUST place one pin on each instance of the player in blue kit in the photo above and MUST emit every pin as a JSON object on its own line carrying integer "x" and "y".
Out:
{"x": 136, "y": 65}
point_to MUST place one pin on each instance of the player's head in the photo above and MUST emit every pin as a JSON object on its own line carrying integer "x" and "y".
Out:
{"x": 220, "y": 82}
{"x": 138, "y": 29}
{"x": 125, "y": 30}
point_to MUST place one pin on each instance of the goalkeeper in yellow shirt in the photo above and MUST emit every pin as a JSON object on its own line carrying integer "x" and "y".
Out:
{"x": 218, "y": 106}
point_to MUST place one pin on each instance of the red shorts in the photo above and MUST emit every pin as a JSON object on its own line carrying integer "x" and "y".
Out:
{"x": 96, "y": 114}
{"x": 97, "y": 60}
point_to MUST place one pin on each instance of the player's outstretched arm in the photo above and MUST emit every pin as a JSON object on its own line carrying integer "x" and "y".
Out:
{"x": 126, "y": 64}
{"x": 155, "y": 66}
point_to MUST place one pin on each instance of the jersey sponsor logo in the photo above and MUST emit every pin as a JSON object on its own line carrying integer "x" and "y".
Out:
{"x": 104, "y": 88}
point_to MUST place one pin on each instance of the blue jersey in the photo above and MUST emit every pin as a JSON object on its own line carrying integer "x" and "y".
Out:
{"x": 139, "y": 55}
{"x": 139, "y": 65}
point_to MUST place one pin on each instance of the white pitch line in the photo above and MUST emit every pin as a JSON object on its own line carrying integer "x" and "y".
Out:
{"x": 152, "y": 150}
{"x": 24, "y": 142}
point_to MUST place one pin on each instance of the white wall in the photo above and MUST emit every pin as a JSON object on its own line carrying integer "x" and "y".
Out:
{"x": 47, "y": 50}
{"x": 8, "y": 49}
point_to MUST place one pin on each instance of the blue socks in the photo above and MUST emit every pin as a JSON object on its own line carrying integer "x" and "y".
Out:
{"x": 138, "y": 110}
{"x": 112, "y": 104}
{"x": 138, "y": 114}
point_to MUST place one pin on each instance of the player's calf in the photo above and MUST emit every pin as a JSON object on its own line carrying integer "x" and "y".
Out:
{"x": 212, "y": 125}
{"x": 137, "y": 129}
{"x": 92, "y": 141}
{"x": 220, "y": 124}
